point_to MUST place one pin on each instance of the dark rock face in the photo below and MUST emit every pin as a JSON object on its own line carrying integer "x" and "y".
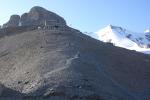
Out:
{"x": 36, "y": 16}
{"x": 13, "y": 22}
{"x": 148, "y": 36}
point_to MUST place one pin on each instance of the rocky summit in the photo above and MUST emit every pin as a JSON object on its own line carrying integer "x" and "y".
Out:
{"x": 36, "y": 16}
{"x": 60, "y": 63}
{"x": 13, "y": 22}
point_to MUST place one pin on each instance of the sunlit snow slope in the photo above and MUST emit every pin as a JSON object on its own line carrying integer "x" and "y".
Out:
{"x": 124, "y": 38}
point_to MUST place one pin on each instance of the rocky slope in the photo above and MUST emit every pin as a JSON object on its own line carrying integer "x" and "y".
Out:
{"x": 43, "y": 64}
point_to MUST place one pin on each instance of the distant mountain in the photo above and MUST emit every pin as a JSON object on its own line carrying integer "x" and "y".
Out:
{"x": 124, "y": 38}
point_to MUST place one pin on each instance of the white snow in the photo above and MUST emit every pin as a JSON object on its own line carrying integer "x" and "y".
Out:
{"x": 147, "y": 31}
{"x": 123, "y": 38}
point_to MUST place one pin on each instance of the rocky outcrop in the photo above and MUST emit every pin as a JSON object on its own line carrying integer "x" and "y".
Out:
{"x": 39, "y": 15}
{"x": 36, "y": 16}
{"x": 13, "y": 22}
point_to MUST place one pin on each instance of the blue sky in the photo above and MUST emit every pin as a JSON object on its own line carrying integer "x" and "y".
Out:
{"x": 87, "y": 15}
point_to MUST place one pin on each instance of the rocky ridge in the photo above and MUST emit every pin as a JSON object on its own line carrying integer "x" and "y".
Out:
{"x": 36, "y": 16}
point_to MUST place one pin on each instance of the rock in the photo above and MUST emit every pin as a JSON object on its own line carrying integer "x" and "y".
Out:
{"x": 147, "y": 36}
{"x": 19, "y": 82}
{"x": 38, "y": 16}
{"x": 26, "y": 82}
{"x": 13, "y": 22}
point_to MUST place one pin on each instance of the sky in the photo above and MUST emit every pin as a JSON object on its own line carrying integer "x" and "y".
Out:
{"x": 87, "y": 15}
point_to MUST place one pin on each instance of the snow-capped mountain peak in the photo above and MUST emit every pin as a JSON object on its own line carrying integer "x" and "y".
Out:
{"x": 147, "y": 31}
{"x": 123, "y": 38}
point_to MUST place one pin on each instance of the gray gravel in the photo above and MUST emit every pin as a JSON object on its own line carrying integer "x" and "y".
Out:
{"x": 56, "y": 65}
